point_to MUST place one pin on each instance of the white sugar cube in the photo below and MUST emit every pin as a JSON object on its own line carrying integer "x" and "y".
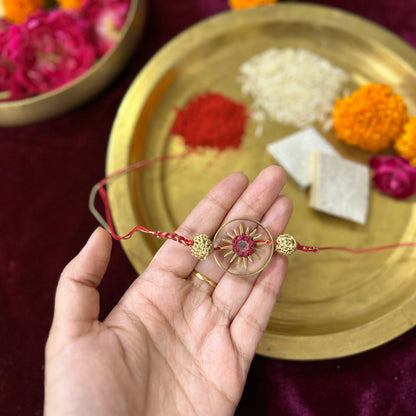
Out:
{"x": 294, "y": 153}
{"x": 340, "y": 187}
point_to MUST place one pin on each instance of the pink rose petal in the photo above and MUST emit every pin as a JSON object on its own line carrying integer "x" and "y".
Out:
{"x": 394, "y": 176}
{"x": 53, "y": 47}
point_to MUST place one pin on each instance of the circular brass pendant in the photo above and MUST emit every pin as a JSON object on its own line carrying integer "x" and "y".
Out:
{"x": 243, "y": 247}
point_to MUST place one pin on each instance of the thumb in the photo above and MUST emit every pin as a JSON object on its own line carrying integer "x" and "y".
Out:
{"x": 77, "y": 301}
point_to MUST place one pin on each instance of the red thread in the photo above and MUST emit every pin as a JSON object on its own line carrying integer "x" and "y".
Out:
{"x": 361, "y": 250}
{"x": 307, "y": 249}
{"x": 313, "y": 249}
{"x": 188, "y": 242}
{"x": 211, "y": 120}
{"x": 104, "y": 197}
{"x": 310, "y": 249}
{"x": 173, "y": 236}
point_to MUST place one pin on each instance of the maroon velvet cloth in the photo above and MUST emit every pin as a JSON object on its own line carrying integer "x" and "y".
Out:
{"x": 48, "y": 170}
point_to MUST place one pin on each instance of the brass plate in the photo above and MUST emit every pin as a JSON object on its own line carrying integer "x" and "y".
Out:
{"x": 56, "y": 102}
{"x": 332, "y": 304}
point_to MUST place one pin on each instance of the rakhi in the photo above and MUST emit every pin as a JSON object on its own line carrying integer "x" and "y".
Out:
{"x": 242, "y": 247}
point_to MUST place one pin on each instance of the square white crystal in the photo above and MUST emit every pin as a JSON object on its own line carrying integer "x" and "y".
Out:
{"x": 294, "y": 153}
{"x": 340, "y": 187}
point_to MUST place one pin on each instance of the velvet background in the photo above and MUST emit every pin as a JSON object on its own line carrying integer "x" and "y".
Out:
{"x": 48, "y": 169}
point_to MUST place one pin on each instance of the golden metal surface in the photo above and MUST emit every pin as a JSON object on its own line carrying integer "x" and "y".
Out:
{"x": 200, "y": 276}
{"x": 77, "y": 92}
{"x": 332, "y": 304}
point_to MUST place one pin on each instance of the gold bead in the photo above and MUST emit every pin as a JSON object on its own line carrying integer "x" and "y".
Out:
{"x": 286, "y": 244}
{"x": 202, "y": 247}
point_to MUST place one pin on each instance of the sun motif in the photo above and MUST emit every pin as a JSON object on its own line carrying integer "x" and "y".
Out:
{"x": 243, "y": 245}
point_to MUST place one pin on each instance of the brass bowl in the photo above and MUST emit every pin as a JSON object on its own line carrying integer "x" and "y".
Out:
{"x": 332, "y": 304}
{"x": 56, "y": 102}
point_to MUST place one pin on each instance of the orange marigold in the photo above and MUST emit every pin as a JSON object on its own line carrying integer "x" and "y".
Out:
{"x": 16, "y": 11}
{"x": 70, "y": 4}
{"x": 405, "y": 145}
{"x": 371, "y": 118}
{"x": 244, "y": 4}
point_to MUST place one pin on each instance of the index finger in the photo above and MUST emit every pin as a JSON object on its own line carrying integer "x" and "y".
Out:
{"x": 205, "y": 218}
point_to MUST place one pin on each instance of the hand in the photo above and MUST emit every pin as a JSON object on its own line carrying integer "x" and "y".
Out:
{"x": 173, "y": 345}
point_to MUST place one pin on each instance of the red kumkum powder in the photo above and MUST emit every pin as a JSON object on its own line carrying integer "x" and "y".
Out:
{"x": 211, "y": 120}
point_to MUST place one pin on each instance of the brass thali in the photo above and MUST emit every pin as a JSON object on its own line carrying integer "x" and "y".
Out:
{"x": 332, "y": 304}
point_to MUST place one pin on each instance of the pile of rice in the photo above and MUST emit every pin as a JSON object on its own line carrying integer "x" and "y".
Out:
{"x": 291, "y": 86}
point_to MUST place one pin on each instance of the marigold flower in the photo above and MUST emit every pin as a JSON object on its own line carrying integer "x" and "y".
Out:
{"x": 371, "y": 118}
{"x": 16, "y": 11}
{"x": 405, "y": 145}
{"x": 245, "y": 4}
{"x": 70, "y": 4}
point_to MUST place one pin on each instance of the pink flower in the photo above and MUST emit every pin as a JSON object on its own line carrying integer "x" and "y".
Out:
{"x": 6, "y": 67}
{"x": 107, "y": 18}
{"x": 53, "y": 47}
{"x": 47, "y": 51}
{"x": 394, "y": 176}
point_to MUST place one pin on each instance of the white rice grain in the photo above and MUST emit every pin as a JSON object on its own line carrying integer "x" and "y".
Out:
{"x": 292, "y": 86}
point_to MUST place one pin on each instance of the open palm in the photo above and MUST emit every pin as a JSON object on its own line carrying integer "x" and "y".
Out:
{"x": 173, "y": 345}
